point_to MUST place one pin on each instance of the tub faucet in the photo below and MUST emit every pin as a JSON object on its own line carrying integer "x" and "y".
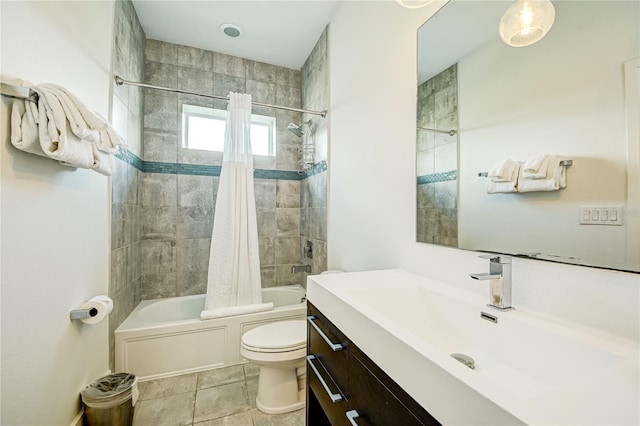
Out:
{"x": 500, "y": 277}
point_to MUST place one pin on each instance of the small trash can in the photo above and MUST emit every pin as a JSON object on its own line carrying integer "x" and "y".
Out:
{"x": 110, "y": 400}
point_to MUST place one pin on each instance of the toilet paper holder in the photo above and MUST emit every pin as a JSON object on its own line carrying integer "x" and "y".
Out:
{"x": 77, "y": 314}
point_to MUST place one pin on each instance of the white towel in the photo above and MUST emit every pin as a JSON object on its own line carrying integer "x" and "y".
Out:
{"x": 555, "y": 178}
{"x": 85, "y": 122}
{"x": 235, "y": 310}
{"x": 24, "y": 127}
{"x": 510, "y": 185}
{"x": 536, "y": 167}
{"x": 56, "y": 139}
{"x": 103, "y": 162}
{"x": 502, "y": 171}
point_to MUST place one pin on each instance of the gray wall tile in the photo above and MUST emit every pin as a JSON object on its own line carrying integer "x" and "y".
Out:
{"x": 195, "y": 191}
{"x": 160, "y": 111}
{"x": 159, "y": 74}
{"x": 229, "y": 65}
{"x": 159, "y": 190}
{"x": 260, "y": 71}
{"x": 158, "y": 257}
{"x": 160, "y": 51}
{"x": 193, "y": 57}
{"x": 287, "y": 222}
{"x": 194, "y": 222}
{"x": 195, "y": 80}
{"x": 158, "y": 223}
{"x": 287, "y": 194}
{"x": 193, "y": 255}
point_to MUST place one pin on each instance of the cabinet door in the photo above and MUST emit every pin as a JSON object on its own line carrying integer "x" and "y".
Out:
{"x": 374, "y": 401}
{"x": 322, "y": 334}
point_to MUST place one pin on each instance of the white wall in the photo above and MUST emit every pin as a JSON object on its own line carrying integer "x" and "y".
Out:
{"x": 372, "y": 199}
{"x": 551, "y": 97}
{"x": 55, "y": 220}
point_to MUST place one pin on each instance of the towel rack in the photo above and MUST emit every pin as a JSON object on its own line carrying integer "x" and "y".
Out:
{"x": 448, "y": 132}
{"x": 18, "y": 92}
{"x": 565, "y": 163}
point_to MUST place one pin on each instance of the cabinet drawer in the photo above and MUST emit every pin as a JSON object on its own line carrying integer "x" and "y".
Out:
{"x": 326, "y": 392}
{"x": 377, "y": 401}
{"x": 324, "y": 337}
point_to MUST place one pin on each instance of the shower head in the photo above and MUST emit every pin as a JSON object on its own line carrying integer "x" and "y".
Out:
{"x": 297, "y": 129}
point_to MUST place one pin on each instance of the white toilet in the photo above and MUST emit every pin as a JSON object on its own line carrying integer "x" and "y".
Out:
{"x": 279, "y": 349}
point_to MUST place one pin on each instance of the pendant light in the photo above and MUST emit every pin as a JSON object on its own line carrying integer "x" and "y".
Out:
{"x": 526, "y": 22}
{"x": 413, "y": 4}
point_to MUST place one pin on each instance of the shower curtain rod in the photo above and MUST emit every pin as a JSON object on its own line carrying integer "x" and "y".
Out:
{"x": 120, "y": 81}
{"x": 449, "y": 132}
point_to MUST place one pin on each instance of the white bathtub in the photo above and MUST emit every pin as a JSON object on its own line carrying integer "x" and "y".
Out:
{"x": 165, "y": 337}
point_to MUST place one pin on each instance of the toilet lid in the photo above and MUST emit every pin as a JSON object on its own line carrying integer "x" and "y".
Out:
{"x": 287, "y": 335}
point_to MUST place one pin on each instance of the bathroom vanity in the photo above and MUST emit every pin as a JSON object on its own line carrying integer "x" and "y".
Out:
{"x": 381, "y": 348}
{"x": 344, "y": 386}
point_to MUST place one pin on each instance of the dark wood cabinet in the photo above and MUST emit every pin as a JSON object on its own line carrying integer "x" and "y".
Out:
{"x": 342, "y": 382}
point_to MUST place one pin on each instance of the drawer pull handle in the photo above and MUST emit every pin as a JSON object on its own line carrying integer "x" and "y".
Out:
{"x": 334, "y": 346}
{"x": 335, "y": 397}
{"x": 352, "y": 416}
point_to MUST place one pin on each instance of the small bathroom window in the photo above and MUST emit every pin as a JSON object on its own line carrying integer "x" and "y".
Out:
{"x": 203, "y": 128}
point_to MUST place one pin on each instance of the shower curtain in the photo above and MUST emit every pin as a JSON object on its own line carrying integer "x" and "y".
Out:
{"x": 234, "y": 262}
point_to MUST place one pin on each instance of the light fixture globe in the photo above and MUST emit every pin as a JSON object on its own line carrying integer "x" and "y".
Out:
{"x": 526, "y": 22}
{"x": 413, "y": 4}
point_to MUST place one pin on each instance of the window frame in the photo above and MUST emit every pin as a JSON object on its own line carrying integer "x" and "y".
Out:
{"x": 199, "y": 111}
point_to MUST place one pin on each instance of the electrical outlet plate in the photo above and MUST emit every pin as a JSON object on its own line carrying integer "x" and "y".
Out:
{"x": 600, "y": 215}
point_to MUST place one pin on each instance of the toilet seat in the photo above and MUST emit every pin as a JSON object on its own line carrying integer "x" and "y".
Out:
{"x": 277, "y": 337}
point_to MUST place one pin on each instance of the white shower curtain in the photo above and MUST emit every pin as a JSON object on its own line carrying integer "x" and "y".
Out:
{"x": 234, "y": 262}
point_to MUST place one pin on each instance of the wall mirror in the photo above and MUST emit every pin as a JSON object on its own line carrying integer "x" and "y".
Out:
{"x": 573, "y": 94}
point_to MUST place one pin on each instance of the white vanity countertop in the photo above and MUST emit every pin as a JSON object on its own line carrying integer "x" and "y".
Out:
{"x": 530, "y": 368}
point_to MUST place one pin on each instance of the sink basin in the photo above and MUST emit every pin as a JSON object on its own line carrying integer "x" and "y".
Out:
{"x": 535, "y": 368}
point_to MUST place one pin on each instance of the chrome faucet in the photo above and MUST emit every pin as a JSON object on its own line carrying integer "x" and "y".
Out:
{"x": 500, "y": 276}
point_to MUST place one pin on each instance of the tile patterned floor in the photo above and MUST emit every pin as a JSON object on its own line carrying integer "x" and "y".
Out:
{"x": 220, "y": 397}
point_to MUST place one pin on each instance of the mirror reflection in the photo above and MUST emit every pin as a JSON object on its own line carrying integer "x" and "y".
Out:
{"x": 572, "y": 95}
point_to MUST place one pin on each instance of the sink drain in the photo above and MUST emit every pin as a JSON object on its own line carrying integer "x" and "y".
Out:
{"x": 465, "y": 359}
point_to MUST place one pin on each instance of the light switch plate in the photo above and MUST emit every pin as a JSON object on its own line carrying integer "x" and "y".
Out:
{"x": 600, "y": 215}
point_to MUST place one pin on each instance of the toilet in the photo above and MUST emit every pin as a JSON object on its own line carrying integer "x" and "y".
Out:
{"x": 279, "y": 349}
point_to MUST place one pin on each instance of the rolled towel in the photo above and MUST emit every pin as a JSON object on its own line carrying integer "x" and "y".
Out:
{"x": 56, "y": 139}
{"x": 554, "y": 179}
{"x": 536, "y": 167}
{"x": 502, "y": 171}
{"x": 108, "y": 140}
{"x": 235, "y": 310}
{"x": 510, "y": 185}
{"x": 24, "y": 127}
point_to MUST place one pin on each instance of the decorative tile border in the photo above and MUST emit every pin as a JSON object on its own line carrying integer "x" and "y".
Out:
{"x": 204, "y": 170}
{"x": 438, "y": 177}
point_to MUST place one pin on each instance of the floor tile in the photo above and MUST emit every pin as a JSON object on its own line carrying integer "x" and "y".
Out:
{"x": 220, "y": 376}
{"x": 251, "y": 371}
{"x": 221, "y": 401}
{"x": 175, "y": 410}
{"x": 294, "y": 418}
{"x": 169, "y": 386}
{"x": 252, "y": 391}
{"x": 242, "y": 419}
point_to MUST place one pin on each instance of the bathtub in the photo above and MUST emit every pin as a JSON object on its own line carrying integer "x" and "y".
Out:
{"x": 165, "y": 337}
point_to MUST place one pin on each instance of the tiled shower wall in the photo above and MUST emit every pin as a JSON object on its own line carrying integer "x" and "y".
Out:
{"x": 162, "y": 218}
{"x": 313, "y": 208}
{"x": 178, "y": 206}
{"x": 126, "y": 274}
{"x": 437, "y": 160}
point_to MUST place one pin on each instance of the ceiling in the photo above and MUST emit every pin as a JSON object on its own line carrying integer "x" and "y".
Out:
{"x": 277, "y": 32}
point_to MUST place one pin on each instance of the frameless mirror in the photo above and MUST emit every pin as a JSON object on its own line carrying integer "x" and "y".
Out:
{"x": 573, "y": 94}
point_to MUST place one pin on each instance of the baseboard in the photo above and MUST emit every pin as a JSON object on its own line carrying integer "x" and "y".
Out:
{"x": 77, "y": 421}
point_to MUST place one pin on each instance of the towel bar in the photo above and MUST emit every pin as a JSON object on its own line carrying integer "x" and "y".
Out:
{"x": 18, "y": 92}
{"x": 565, "y": 163}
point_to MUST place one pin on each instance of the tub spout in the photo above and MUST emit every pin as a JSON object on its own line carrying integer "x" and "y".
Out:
{"x": 301, "y": 268}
